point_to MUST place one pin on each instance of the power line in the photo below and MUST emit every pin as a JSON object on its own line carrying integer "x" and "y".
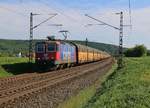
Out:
{"x": 21, "y": 1}
{"x": 93, "y": 24}
{"x": 13, "y": 34}
{"x": 60, "y": 12}
{"x": 13, "y": 11}
{"x": 56, "y": 25}
{"x": 103, "y": 23}
{"x": 44, "y": 21}
{"x": 120, "y": 29}
{"x": 130, "y": 13}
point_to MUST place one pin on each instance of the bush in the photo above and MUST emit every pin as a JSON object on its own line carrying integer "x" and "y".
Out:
{"x": 137, "y": 51}
{"x": 148, "y": 53}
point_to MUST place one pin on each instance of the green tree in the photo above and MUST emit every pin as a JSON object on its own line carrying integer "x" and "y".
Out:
{"x": 137, "y": 51}
{"x": 148, "y": 53}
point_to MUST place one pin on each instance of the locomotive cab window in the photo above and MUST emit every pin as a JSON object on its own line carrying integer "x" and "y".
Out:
{"x": 40, "y": 48}
{"x": 51, "y": 47}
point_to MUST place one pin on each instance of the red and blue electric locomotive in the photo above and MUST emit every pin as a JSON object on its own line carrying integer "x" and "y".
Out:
{"x": 59, "y": 53}
{"x": 55, "y": 53}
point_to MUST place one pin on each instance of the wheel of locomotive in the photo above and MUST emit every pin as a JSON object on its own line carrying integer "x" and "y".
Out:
{"x": 61, "y": 66}
{"x": 68, "y": 65}
{"x": 55, "y": 68}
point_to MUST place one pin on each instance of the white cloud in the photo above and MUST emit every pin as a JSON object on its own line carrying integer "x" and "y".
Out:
{"x": 15, "y": 25}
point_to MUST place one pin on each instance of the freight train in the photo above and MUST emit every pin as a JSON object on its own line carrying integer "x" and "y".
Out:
{"x": 60, "y": 53}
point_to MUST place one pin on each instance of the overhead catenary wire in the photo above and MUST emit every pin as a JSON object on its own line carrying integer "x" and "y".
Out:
{"x": 102, "y": 23}
{"x": 130, "y": 16}
{"x": 61, "y": 12}
{"x": 45, "y": 2}
{"x": 120, "y": 48}
{"x": 13, "y": 11}
{"x": 20, "y": 1}
{"x": 58, "y": 11}
{"x": 44, "y": 21}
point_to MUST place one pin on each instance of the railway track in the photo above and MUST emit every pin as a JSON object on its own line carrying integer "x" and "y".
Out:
{"x": 25, "y": 79}
{"x": 20, "y": 86}
{"x": 20, "y": 80}
{"x": 10, "y": 79}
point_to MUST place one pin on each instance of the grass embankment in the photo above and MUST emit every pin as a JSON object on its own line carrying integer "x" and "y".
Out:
{"x": 11, "y": 66}
{"x": 126, "y": 88}
{"x": 85, "y": 95}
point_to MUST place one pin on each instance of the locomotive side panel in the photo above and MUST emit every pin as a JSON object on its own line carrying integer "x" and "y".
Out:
{"x": 67, "y": 53}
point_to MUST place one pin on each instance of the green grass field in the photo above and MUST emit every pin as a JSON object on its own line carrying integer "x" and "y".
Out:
{"x": 12, "y": 66}
{"x": 126, "y": 88}
{"x": 86, "y": 94}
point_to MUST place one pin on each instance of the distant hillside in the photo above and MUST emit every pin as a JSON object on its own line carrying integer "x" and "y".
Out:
{"x": 13, "y": 47}
{"x": 111, "y": 49}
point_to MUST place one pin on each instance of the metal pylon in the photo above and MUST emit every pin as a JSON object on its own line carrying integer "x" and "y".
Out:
{"x": 120, "y": 58}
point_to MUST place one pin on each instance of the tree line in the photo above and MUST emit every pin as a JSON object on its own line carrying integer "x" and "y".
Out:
{"x": 137, "y": 51}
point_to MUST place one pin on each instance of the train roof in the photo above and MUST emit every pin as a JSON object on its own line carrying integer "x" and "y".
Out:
{"x": 83, "y": 46}
{"x": 71, "y": 43}
{"x": 56, "y": 41}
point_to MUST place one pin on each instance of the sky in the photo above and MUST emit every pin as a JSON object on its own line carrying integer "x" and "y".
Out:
{"x": 15, "y": 15}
